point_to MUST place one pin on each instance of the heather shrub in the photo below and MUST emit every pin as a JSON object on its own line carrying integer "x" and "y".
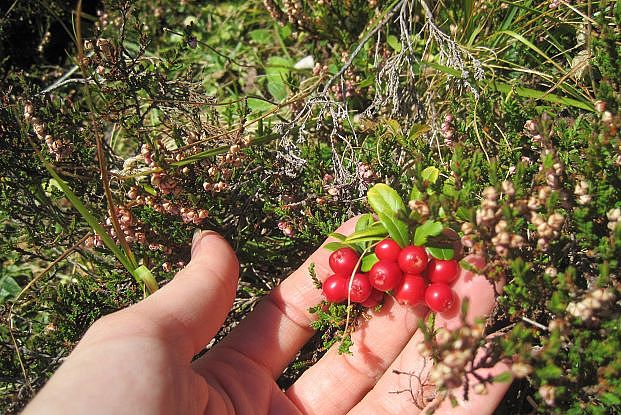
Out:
{"x": 269, "y": 121}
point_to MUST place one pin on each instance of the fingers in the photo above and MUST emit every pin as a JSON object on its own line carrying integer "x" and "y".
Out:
{"x": 190, "y": 309}
{"x": 339, "y": 381}
{"x": 278, "y": 327}
{"x": 383, "y": 399}
{"x": 481, "y": 404}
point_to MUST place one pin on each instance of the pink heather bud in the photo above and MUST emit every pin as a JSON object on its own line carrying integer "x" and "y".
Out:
{"x": 530, "y": 125}
{"x": 607, "y": 117}
{"x": 145, "y": 149}
{"x": 167, "y": 266}
{"x": 600, "y": 106}
{"x": 448, "y": 118}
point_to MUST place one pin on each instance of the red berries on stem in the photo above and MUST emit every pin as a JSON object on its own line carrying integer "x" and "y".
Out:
{"x": 411, "y": 291}
{"x": 387, "y": 250}
{"x": 413, "y": 259}
{"x": 343, "y": 261}
{"x": 439, "y": 297}
{"x": 406, "y": 272}
{"x": 335, "y": 288}
{"x": 445, "y": 271}
{"x": 385, "y": 275}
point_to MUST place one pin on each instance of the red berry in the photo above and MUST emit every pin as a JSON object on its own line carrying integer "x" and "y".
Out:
{"x": 374, "y": 299}
{"x": 335, "y": 288}
{"x": 360, "y": 288}
{"x": 411, "y": 291}
{"x": 343, "y": 261}
{"x": 445, "y": 271}
{"x": 439, "y": 297}
{"x": 413, "y": 259}
{"x": 387, "y": 250}
{"x": 385, "y": 275}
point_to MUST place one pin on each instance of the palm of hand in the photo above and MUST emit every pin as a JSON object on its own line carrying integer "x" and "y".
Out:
{"x": 138, "y": 360}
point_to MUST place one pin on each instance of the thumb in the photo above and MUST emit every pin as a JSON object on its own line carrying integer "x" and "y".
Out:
{"x": 191, "y": 308}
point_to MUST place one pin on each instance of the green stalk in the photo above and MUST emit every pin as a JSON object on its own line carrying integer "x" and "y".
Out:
{"x": 140, "y": 273}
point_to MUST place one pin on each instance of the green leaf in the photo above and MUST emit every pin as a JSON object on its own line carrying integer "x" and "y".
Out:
{"x": 9, "y": 288}
{"x": 394, "y": 43}
{"x": 364, "y": 222}
{"x": 276, "y": 71}
{"x": 503, "y": 377}
{"x": 441, "y": 253}
{"x": 376, "y": 230}
{"x": 415, "y": 194}
{"x": 542, "y": 95}
{"x": 430, "y": 174}
{"x": 145, "y": 275}
{"x": 367, "y": 262}
{"x": 333, "y": 246}
{"x": 338, "y": 236}
{"x": 263, "y": 36}
{"x": 610, "y": 398}
{"x": 397, "y": 229}
{"x": 417, "y": 130}
{"x": 469, "y": 267}
{"x": 384, "y": 199}
{"x": 260, "y": 105}
{"x": 427, "y": 229}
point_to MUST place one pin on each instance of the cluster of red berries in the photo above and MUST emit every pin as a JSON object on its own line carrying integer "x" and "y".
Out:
{"x": 408, "y": 273}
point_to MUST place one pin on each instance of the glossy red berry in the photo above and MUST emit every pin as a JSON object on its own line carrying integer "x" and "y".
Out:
{"x": 385, "y": 275}
{"x": 335, "y": 288}
{"x": 360, "y": 288}
{"x": 411, "y": 291}
{"x": 413, "y": 259}
{"x": 374, "y": 299}
{"x": 439, "y": 297}
{"x": 445, "y": 271}
{"x": 343, "y": 261}
{"x": 387, "y": 250}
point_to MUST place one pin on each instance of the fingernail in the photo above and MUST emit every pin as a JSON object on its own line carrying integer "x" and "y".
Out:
{"x": 197, "y": 238}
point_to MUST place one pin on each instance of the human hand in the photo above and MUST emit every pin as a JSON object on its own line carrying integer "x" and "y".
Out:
{"x": 138, "y": 360}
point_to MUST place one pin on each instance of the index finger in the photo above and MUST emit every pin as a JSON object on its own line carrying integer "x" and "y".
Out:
{"x": 273, "y": 333}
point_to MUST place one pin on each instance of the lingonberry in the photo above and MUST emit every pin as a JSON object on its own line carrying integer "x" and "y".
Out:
{"x": 360, "y": 288}
{"x": 439, "y": 297}
{"x": 445, "y": 271}
{"x": 413, "y": 259}
{"x": 385, "y": 275}
{"x": 387, "y": 250}
{"x": 374, "y": 299}
{"x": 411, "y": 291}
{"x": 335, "y": 288}
{"x": 343, "y": 261}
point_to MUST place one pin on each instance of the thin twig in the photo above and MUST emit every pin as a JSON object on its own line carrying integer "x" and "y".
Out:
{"x": 101, "y": 156}
{"x": 364, "y": 40}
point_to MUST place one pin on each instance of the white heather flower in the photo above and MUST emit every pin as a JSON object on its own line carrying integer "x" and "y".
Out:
{"x": 307, "y": 62}
{"x": 521, "y": 370}
{"x": 480, "y": 389}
{"x": 548, "y": 394}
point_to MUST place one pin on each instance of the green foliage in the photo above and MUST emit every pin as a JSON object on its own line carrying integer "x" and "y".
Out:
{"x": 212, "y": 90}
